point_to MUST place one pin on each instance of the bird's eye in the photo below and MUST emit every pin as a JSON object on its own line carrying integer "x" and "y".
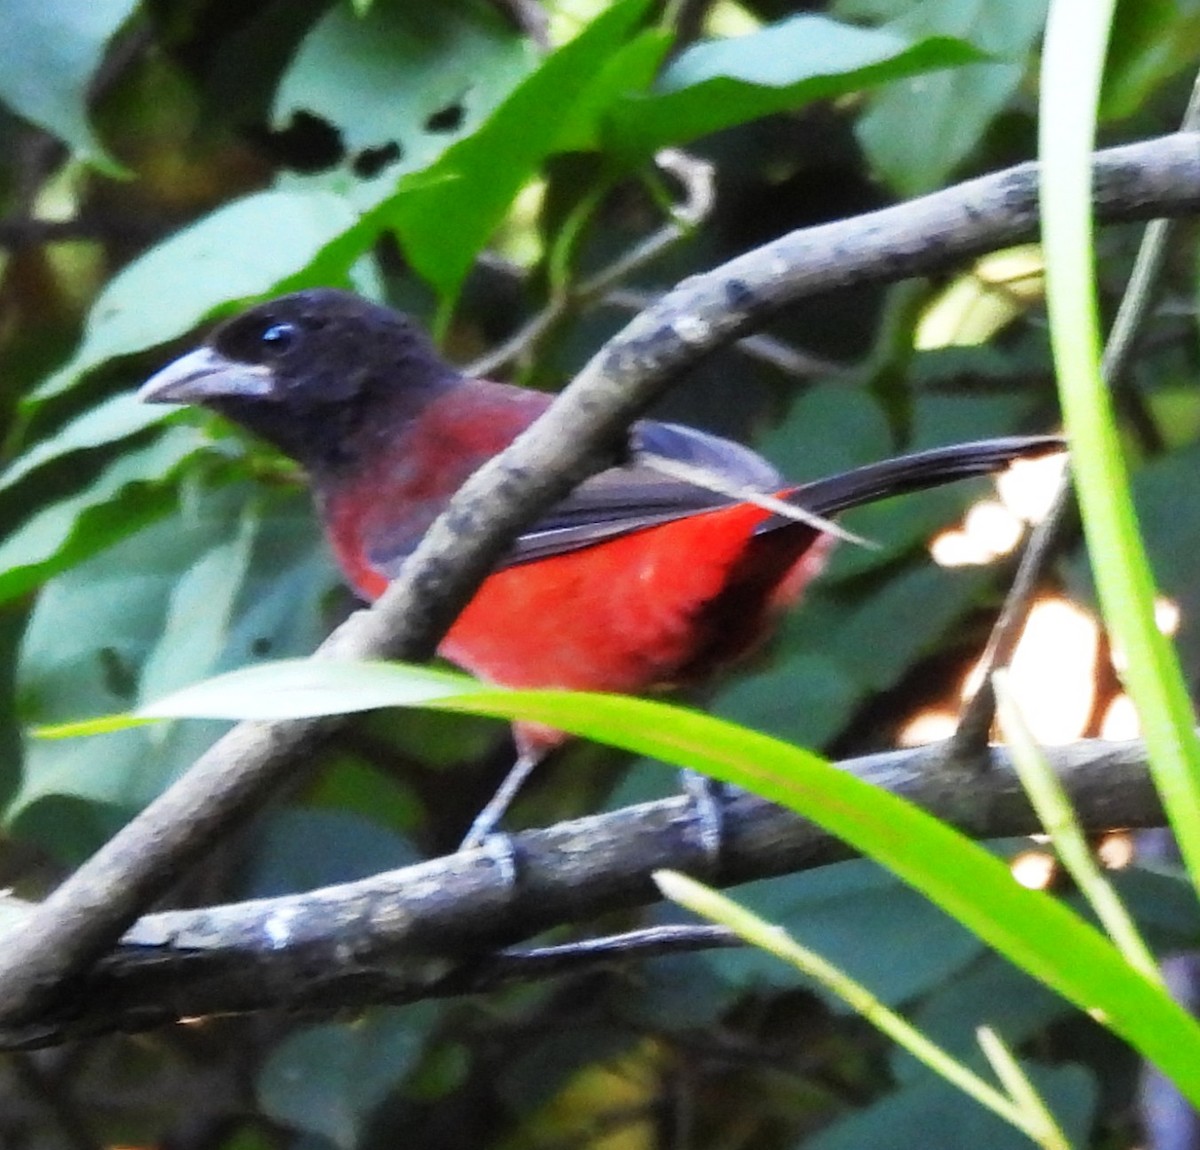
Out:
{"x": 277, "y": 338}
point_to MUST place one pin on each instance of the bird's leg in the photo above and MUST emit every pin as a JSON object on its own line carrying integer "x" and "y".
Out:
{"x": 707, "y": 797}
{"x": 485, "y": 822}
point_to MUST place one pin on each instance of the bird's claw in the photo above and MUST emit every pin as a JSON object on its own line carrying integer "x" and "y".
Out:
{"x": 501, "y": 851}
{"x": 708, "y": 816}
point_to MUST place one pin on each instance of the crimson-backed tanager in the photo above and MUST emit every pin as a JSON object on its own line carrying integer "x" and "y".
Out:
{"x": 637, "y": 581}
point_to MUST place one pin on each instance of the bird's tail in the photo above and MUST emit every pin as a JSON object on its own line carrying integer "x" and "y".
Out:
{"x": 914, "y": 472}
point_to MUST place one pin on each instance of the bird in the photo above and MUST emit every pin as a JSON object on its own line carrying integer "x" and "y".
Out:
{"x": 651, "y": 575}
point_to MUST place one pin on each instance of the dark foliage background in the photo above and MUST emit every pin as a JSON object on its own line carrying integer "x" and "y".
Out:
{"x": 162, "y": 161}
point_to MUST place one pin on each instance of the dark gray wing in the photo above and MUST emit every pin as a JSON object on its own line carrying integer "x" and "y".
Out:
{"x": 624, "y": 499}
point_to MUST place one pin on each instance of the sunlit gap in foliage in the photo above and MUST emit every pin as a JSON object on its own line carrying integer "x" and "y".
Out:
{"x": 1034, "y": 869}
{"x": 1120, "y": 717}
{"x": 1053, "y": 670}
{"x": 982, "y": 302}
{"x": 1055, "y": 666}
{"x": 1053, "y": 675}
{"x": 994, "y": 527}
{"x": 1057, "y": 651}
{"x": 1038, "y": 869}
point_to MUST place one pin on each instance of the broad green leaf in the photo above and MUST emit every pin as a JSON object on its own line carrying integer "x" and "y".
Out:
{"x": 1151, "y": 41}
{"x": 830, "y": 658}
{"x": 199, "y": 611}
{"x": 305, "y": 687}
{"x": 300, "y": 850}
{"x": 919, "y": 129}
{"x": 804, "y": 694}
{"x": 681, "y": 991}
{"x": 400, "y": 83}
{"x": 218, "y": 583}
{"x": 327, "y": 1079}
{"x": 49, "y": 52}
{"x": 1030, "y": 927}
{"x": 1171, "y": 526}
{"x": 1163, "y": 903}
{"x": 116, "y": 418}
{"x": 132, "y": 491}
{"x": 934, "y": 1115}
{"x": 242, "y": 249}
{"x": 915, "y": 611}
{"x": 443, "y": 226}
{"x": 993, "y": 992}
{"x": 720, "y": 83}
{"x": 861, "y": 919}
{"x": 1018, "y": 1103}
{"x": 852, "y": 430}
{"x": 631, "y": 68}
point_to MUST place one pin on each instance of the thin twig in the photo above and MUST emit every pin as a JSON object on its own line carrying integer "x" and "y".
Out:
{"x": 696, "y": 178}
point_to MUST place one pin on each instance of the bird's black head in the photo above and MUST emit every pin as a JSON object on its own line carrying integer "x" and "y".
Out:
{"x": 311, "y": 372}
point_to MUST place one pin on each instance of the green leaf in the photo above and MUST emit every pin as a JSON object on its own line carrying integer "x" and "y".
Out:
{"x": 326, "y": 1080}
{"x": 49, "y": 51}
{"x": 1030, "y": 927}
{"x": 1171, "y": 526}
{"x": 934, "y": 1115}
{"x": 1151, "y": 41}
{"x": 720, "y": 83}
{"x": 994, "y": 993}
{"x": 861, "y": 919}
{"x": 306, "y": 687}
{"x": 125, "y": 625}
{"x": 301, "y": 850}
{"x": 133, "y": 490}
{"x": 243, "y": 249}
{"x": 443, "y": 227}
{"x": 804, "y": 695}
{"x": 853, "y": 430}
{"x": 110, "y": 421}
{"x": 631, "y": 68}
{"x": 929, "y": 599}
{"x": 199, "y": 611}
{"x": 400, "y": 80}
{"x": 919, "y": 129}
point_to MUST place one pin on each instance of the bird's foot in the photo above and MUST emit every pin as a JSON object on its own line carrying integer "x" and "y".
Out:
{"x": 708, "y": 817}
{"x": 501, "y": 852}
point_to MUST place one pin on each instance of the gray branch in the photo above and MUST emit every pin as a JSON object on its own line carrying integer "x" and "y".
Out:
{"x": 448, "y": 926}
{"x": 583, "y": 431}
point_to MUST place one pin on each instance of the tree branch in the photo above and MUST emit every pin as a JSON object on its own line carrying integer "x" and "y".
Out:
{"x": 440, "y": 928}
{"x": 583, "y": 431}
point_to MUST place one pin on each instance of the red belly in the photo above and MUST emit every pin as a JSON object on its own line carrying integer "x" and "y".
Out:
{"x": 658, "y": 608}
